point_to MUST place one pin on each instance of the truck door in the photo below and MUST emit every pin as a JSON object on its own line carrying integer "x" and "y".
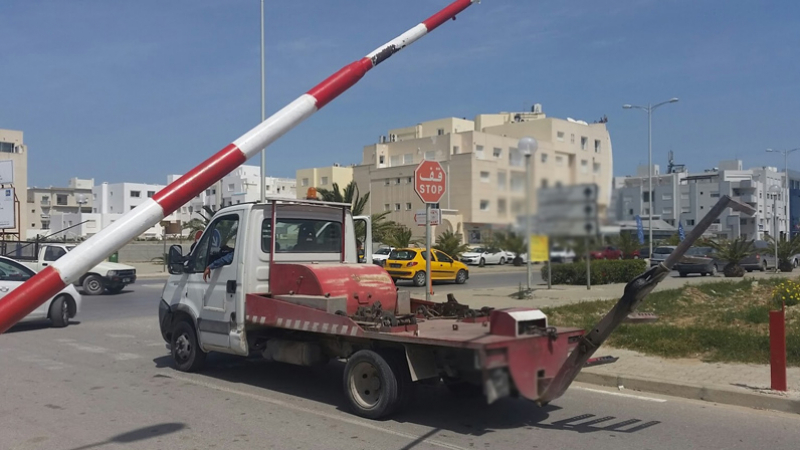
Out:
{"x": 216, "y": 297}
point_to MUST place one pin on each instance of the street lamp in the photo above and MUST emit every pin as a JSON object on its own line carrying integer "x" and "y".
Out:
{"x": 263, "y": 113}
{"x": 528, "y": 147}
{"x": 775, "y": 190}
{"x": 649, "y": 110}
{"x": 786, "y": 185}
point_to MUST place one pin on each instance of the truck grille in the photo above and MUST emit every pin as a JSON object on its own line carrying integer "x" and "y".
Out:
{"x": 126, "y": 273}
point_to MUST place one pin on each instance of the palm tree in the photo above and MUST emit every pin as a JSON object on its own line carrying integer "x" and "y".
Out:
{"x": 733, "y": 251}
{"x": 381, "y": 226}
{"x": 451, "y": 243}
{"x": 399, "y": 237}
{"x": 514, "y": 243}
{"x": 200, "y": 224}
{"x": 786, "y": 249}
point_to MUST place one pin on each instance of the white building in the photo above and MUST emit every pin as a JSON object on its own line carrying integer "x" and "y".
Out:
{"x": 241, "y": 186}
{"x": 687, "y": 197}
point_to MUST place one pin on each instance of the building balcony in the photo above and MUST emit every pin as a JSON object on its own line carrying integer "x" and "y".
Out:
{"x": 749, "y": 198}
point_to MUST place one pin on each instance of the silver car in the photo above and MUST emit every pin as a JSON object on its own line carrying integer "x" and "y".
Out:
{"x": 660, "y": 254}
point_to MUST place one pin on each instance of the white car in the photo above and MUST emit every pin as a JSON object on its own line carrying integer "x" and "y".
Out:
{"x": 381, "y": 255}
{"x": 481, "y": 256}
{"x": 63, "y": 306}
{"x": 561, "y": 255}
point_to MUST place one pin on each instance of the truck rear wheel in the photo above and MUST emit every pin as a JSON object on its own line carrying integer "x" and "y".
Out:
{"x": 371, "y": 385}
{"x": 93, "y": 285}
{"x": 186, "y": 351}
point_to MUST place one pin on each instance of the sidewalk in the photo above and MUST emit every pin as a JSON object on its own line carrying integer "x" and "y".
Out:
{"x": 736, "y": 384}
{"x": 148, "y": 271}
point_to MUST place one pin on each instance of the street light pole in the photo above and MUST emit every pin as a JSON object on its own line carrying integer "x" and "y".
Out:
{"x": 774, "y": 189}
{"x": 528, "y": 147}
{"x": 786, "y": 186}
{"x": 263, "y": 113}
{"x": 649, "y": 110}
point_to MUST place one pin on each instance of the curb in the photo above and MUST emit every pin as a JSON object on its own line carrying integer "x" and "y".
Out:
{"x": 152, "y": 276}
{"x": 708, "y": 393}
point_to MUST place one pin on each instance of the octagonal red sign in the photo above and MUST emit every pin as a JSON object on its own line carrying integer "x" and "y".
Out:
{"x": 429, "y": 181}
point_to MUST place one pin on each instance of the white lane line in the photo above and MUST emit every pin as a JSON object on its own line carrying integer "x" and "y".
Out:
{"x": 619, "y": 394}
{"x": 348, "y": 420}
{"x": 88, "y": 348}
{"x": 156, "y": 344}
{"x": 126, "y": 356}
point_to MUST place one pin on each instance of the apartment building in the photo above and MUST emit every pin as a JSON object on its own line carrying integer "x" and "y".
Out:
{"x": 12, "y": 148}
{"x": 323, "y": 177}
{"x": 486, "y": 187}
{"x": 686, "y": 197}
{"x": 45, "y": 202}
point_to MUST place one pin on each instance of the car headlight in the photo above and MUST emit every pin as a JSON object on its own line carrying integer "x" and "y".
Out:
{"x": 112, "y": 273}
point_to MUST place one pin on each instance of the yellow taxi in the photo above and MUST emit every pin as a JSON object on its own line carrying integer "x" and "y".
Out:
{"x": 409, "y": 264}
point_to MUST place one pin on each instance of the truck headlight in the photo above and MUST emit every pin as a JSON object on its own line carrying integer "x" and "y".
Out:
{"x": 112, "y": 273}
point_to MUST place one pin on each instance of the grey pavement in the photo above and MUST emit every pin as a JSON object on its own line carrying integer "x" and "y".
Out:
{"x": 109, "y": 384}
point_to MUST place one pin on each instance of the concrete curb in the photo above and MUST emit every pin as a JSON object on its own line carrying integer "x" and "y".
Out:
{"x": 152, "y": 276}
{"x": 709, "y": 393}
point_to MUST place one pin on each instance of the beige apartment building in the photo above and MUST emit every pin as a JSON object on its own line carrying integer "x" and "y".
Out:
{"x": 14, "y": 149}
{"x": 486, "y": 186}
{"x": 323, "y": 177}
{"x": 45, "y": 202}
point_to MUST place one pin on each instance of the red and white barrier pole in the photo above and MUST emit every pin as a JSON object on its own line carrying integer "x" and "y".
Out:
{"x": 71, "y": 266}
{"x": 777, "y": 348}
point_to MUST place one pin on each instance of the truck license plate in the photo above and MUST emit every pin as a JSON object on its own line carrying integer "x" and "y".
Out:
{"x": 126, "y": 280}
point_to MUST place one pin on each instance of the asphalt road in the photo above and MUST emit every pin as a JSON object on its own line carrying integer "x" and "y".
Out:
{"x": 107, "y": 382}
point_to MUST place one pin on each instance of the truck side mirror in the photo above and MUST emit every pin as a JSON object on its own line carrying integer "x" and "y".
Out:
{"x": 175, "y": 260}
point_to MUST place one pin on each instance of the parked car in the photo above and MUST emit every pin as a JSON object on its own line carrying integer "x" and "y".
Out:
{"x": 607, "y": 253}
{"x": 660, "y": 254}
{"x": 698, "y": 260}
{"x": 761, "y": 260}
{"x": 409, "y": 264}
{"x": 561, "y": 255}
{"x": 380, "y": 255}
{"x": 482, "y": 255}
{"x": 644, "y": 252}
{"x": 59, "y": 309}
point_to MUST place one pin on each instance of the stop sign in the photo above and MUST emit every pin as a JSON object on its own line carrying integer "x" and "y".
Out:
{"x": 429, "y": 181}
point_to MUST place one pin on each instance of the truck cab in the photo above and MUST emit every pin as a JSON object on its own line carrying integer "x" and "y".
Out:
{"x": 248, "y": 240}
{"x": 104, "y": 277}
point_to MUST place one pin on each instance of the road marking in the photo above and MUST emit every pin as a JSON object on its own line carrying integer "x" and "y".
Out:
{"x": 283, "y": 404}
{"x": 88, "y": 348}
{"x": 121, "y": 336}
{"x": 619, "y": 394}
{"x": 126, "y": 356}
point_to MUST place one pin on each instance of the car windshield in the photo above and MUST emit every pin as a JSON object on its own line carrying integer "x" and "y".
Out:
{"x": 557, "y": 249}
{"x": 403, "y": 255}
{"x": 663, "y": 250}
{"x": 383, "y": 251}
{"x": 698, "y": 251}
{"x": 478, "y": 250}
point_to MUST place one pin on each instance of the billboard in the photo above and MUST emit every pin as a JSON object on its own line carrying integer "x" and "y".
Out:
{"x": 7, "y": 211}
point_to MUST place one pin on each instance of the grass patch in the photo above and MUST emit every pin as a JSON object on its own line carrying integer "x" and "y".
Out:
{"x": 720, "y": 321}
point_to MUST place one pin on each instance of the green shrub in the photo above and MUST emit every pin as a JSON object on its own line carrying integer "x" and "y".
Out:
{"x": 602, "y": 271}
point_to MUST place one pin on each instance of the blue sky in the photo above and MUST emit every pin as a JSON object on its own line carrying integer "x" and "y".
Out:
{"x": 135, "y": 90}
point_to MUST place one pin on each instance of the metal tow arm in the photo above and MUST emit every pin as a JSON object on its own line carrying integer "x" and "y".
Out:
{"x": 635, "y": 291}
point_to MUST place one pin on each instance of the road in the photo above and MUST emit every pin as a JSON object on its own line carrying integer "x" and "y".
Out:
{"x": 107, "y": 382}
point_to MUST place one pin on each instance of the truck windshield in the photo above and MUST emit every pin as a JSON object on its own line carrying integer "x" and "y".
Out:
{"x": 302, "y": 236}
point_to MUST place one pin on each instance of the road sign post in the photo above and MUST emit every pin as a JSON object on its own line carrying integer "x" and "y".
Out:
{"x": 429, "y": 183}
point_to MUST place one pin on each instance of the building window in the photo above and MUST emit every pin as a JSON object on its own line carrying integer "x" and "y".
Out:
{"x": 408, "y": 158}
{"x": 323, "y": 181}
{"x": 501, "y": 206}
{"x": 572, "y": 138}
{"x": 517, "y": 181}
{"x": 397, "y": 206}
{"x": 304, "y": 182}
{"x": 408, "y": 206}
{"x": 497, "y": 152}
{"x": 430, "y": 155}
{"x": 515, "y": 158}
{"x": 584, "y": 166}
{"x": 689, "y": 221}
{"x": 231, "y": 187}
{"x": 397, "y": 181}
{"x": 7, "y": 147}
{"x": 440, "y": 132}
{"x": 33, "y": 210}
{"x": 456, "y": 149}
{"x": 386, "y": 207}
{"x": 61, "y": 199}
{"x": 630, "y": 212}
{"x": 560, "y": 136}
{"x": 484, "y": 176}
{"x": 559, "y": 160}
{"x": 386, "y": 182}
{"x": 381, "y": 159}
{"x": 136, "y": 194}
{"x": 667, "y": 211}
{"x": 715, "y": 194}
{"x": 484, "y": 205}
{"x": 584, "y": 142}
{"x": 150, "y": 194}
{"x": 409, "y": 180}
{"x": 597, "y": 145}
{"x": 45, "y": 200}
{"x": 394, "y": 161}
{"x": 544, "y": 183}
{"x": 479, "y": 151}
{"x": 596, "y": 168}
{"x": 501, "y": 180}
{"x": 544, "y": 157}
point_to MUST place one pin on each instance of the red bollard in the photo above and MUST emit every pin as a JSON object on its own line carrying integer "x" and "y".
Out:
{"x": 777, "y": 348}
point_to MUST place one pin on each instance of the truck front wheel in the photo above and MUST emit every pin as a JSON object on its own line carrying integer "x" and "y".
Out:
{"x": 185, "y": 350}
{"x": 93, "y": 285}
{"x": 371, "y": 385}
